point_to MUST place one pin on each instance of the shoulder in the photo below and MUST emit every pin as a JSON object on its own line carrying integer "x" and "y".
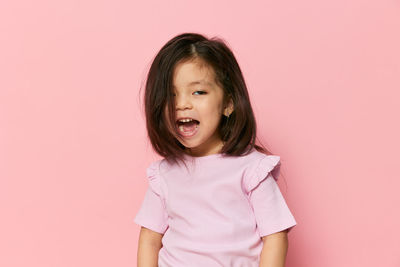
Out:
{"x": 158, "y": 166}
{"x": 256, "y": 160}
{"x": 256, "y": 155}
{"x": 153, "y": 169}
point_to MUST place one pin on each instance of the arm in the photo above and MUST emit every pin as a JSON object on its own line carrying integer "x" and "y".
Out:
{"x": 149, "y": 246}
{"x": 274, "y": 250}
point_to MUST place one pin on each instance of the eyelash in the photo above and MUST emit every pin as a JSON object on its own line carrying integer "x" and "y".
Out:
{"x": 202, "y": 92}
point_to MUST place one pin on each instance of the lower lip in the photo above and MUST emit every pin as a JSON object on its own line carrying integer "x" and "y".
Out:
{"x": 191, "y": 134}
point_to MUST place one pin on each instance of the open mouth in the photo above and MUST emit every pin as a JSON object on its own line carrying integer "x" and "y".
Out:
{"x": 187, "y": 127}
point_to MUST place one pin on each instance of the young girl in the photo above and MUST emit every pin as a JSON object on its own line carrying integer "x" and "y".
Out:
{"x": 212, "y": 199}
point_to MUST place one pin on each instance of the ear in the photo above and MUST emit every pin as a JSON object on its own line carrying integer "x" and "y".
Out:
{"x": 229, "y": 107}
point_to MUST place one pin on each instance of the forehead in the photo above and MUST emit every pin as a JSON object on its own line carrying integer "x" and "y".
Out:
{"x": 192, "y": 73}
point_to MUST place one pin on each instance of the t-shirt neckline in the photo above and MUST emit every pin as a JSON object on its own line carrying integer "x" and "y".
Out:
{"x": 206, "y": 157}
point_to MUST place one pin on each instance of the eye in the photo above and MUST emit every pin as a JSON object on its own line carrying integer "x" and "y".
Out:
{"x": 202, "y": 92}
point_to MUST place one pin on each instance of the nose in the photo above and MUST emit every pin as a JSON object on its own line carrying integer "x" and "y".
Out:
{"x": 183, "y": 102}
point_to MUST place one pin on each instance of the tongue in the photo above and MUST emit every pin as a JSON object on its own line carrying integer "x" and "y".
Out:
{"x": 189, "y": 126}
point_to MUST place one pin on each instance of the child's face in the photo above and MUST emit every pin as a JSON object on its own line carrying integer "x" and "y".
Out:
{"x": 200, "y": 101}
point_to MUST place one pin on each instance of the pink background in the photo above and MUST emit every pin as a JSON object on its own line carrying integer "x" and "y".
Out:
{"x": 324, "y": 80}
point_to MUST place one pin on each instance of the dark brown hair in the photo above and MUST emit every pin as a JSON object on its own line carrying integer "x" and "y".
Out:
{"x": 238, "y": 132}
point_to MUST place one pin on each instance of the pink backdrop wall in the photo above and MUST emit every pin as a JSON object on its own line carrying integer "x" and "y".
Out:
{"x": 324, "y": 79}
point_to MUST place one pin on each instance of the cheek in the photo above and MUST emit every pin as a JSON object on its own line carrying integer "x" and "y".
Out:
{"x": 212, "y": 106}
{"x": 213, "y": 114}
{"x": 216, "y": 109}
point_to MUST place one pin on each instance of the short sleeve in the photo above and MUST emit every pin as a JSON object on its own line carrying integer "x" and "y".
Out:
{"x": 152, "y": 213}
{"x": 270, "y": 209}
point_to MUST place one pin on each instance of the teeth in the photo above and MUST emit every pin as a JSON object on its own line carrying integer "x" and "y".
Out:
{"x": 185, "y": 120}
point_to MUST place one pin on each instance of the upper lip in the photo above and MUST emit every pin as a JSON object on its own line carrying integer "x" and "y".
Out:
{"x": 180, "y": 118}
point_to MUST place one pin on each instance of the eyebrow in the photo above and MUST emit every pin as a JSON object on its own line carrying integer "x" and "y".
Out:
{"x": 197, "y": 82}
{"x": 200, "y": 82}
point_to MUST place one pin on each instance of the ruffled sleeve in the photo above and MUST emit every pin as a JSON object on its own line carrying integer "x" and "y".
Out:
{"x": 152, "y": 213}
{"x": 259, "y": 171}
{"x": 271, "y": 211}
{"x": 153, "y": 177}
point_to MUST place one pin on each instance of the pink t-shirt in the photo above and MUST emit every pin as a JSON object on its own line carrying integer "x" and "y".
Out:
{"x": 216, "y": 214}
